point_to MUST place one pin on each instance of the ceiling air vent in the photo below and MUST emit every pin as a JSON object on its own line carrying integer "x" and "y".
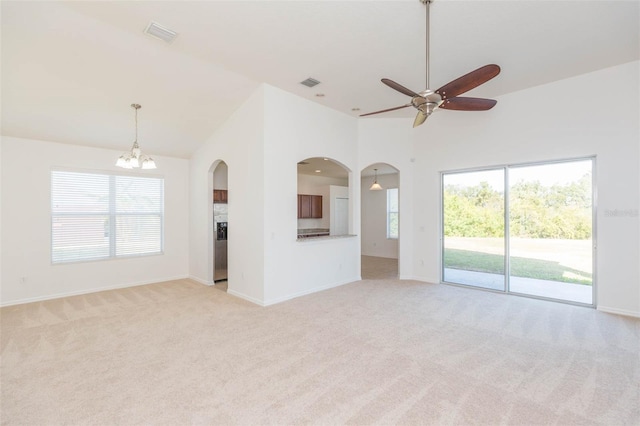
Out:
{"x": 158, "y": 31}
{"x": 310, "y": 82}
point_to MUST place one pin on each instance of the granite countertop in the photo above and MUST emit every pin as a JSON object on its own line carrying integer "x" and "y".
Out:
{"x": 308, "y": 231}
{"x": 302, "y": 239}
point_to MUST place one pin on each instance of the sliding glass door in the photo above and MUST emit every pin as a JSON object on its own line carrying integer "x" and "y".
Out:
{"x": 473, "y": 250}
{"x": 545, "y": 210}
{"x": 550, "y": 230}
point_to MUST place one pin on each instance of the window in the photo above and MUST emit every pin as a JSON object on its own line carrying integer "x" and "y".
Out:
{"x": 392, "y": 213}
{"x": 102, "y": 216}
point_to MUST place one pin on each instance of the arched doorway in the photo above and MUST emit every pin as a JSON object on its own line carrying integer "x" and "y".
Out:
{"x": 219, "y": 219}
{"x": 379, "y": 221}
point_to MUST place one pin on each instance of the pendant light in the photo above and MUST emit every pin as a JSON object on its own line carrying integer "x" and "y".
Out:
{"x": 135, "y": 158}
{"x": 376, "y": 186}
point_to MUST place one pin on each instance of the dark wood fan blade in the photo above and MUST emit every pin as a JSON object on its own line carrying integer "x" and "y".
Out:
{"x": 468, "y": 81}
{"x": 400, "y": 88}
{"x": 385, "y": 110}
{"x": 468, "y": 104}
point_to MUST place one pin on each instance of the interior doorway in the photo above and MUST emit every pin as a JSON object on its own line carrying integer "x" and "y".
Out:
{"x": 220, "y": 225}
{"x": 380, "y": 221}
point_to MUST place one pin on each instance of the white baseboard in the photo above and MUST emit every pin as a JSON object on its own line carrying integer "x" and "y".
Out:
{"x": 313, "y": 290}
{"x": 412, "y": 278}
{"x": 380, "y": 256}
{"x": 619, "y": 311}
{"x": 245, "y": 297}
{"x": 418, "y": 278}
{"x": 87, "y": 291}
{"x": 201, "y": 281}
{"x": 289, "y": 296}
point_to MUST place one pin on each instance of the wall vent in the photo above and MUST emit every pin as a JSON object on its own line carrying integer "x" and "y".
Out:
{"x": 158, "y": 31}
{"x": 310, "y": 82}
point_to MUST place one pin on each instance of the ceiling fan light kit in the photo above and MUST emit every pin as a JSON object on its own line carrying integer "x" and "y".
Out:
{"x": 446, "y": 97}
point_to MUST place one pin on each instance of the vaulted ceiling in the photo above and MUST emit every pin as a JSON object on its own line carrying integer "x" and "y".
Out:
{"x": 70, "y": 70}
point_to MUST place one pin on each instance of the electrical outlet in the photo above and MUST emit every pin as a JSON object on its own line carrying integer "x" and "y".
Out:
{"x": 23, "y": 280}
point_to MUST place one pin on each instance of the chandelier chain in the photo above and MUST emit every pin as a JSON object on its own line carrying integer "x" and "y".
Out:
{"x": 136, "y": 107}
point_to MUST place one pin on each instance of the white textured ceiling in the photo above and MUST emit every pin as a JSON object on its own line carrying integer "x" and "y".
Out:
{"x": 70, "y": 70}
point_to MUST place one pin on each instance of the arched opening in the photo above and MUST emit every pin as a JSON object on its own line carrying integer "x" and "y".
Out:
{"x": 219, "y": 219}
{"x": 323, "y": 198}
{"x": 380, "y": 221}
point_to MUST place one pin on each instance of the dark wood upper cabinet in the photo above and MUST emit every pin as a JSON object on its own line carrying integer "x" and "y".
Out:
{"x": 220, "y": 196}
{"x": 316, "y": 206}
{"x": 304, "y": 206}
{"x": 309, "y": 206}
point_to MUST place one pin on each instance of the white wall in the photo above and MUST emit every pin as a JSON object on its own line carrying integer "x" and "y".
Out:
{"x": 286, "y": 129}
{"x": 374, "y": 218}
{"x": 561, "y": 120}
{"x": 26, "y": 225}
{"x": 239, "y": 143}
{"x": 296, "y": 129}
{"x": 271, "y": 264}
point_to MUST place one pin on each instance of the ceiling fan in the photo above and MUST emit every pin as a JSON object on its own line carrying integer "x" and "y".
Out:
{"x": 445, "y": 97}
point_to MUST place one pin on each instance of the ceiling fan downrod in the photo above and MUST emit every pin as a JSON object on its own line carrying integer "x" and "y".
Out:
{"x": 427, "y": 3}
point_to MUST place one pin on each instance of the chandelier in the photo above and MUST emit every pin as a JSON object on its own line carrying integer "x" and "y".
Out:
{"x": 376, "y": 186}
{"x": 135, "y": 158}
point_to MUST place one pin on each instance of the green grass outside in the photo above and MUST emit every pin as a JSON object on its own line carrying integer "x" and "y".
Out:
{"x": 520, "y": 266}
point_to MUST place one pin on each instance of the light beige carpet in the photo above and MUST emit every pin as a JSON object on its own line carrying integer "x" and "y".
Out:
{"x": 378, "y": 268}
{"x": 371, "y": 352}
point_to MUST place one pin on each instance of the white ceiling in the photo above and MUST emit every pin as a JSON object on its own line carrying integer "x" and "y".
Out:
{"x": 70, "y": 69}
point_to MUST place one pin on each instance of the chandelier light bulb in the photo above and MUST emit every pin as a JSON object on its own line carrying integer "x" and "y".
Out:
{"x": 148, "y": 164}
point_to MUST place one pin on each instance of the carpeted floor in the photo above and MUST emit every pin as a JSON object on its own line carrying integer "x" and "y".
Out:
{"x": 370, "y": 352}
{"x": 378, "y": 268}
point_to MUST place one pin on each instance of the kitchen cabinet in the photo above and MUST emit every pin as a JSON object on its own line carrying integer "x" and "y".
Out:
{"x": 220, "y": 196}
{"x": 316, "y": 206}
{"x": 309, "y": 206}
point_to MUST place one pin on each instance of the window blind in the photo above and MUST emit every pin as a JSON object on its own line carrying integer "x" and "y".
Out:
{"x": 100, "y": 216}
